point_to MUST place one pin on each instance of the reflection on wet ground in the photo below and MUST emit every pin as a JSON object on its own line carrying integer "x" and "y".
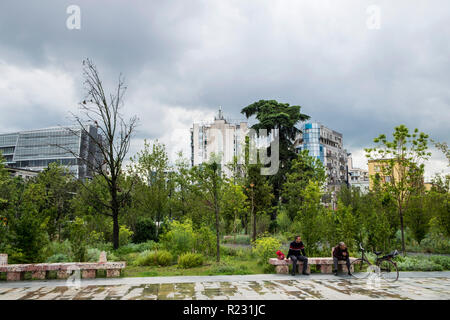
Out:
{"x": 408, "y": 288}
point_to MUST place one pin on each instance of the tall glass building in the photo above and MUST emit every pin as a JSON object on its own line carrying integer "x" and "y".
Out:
{"x": 36, "y": 149}
{"x": 326, "y": 145}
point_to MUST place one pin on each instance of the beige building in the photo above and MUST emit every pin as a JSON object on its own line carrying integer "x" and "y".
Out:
{"x": 376, "y": 169}
{"x": 221, "y": 137}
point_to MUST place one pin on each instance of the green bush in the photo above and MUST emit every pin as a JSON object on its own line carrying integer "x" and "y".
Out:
{"x": 133, "y": 247}
{"x": 283, "y": 221}
{"x": 265, "y": 248}
{"x": 238, "y": 239}
{"x": 93, "y": 254}
{"x": 190, "y": 260}
{"x": 164, "y": 258}
{"x": 125, "y": 235}
{"x": 444, "y": 261}
{"x": 59, "y": 257}
{"x": 422, "y": 263}
{"x": 225, "y": 268}
{"x": 145, "y": 230}
{"x": 180, "y": 238}
{"x": 154, "y": 258}
{"x": 79, "y": 236}
{"x": 57, "y": 247}
{"x": 205, "y": 241}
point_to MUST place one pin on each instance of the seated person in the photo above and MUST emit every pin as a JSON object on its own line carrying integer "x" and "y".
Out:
{"x": 297, "y": 253}
{"x": 340, "y": 252}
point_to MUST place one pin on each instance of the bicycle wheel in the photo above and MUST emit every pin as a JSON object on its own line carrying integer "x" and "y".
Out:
{"x": 361, "y": 268}
{"x": 388, "y": 270}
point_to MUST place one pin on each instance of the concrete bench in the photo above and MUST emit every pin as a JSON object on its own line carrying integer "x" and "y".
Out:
{"x": 325, "y": 264}
{"x": 88, "y": 270}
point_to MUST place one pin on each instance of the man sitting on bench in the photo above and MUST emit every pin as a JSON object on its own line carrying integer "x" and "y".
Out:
{"x": 297, "y": 253}
{"x": 340, "y": 252}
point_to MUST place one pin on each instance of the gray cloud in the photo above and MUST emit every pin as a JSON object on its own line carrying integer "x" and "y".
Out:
{"x": 192, "y": 56}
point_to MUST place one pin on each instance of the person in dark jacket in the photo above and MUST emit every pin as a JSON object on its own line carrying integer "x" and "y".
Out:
{"x": 340, "y": 252}
{"x": 297, "y": 253}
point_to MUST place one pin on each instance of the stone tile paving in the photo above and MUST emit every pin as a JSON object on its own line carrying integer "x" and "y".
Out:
{"x": 256, "y": 287}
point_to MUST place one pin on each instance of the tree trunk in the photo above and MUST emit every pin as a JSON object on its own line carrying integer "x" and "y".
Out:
{"x": 116, "y": 230}
{"x": 401, "y": 228}
{"x": 254, "y": 220}
{"x": 216, "y": 210}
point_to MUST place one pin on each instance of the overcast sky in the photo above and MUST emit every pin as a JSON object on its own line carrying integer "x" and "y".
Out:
{"x": 182, "y": 59}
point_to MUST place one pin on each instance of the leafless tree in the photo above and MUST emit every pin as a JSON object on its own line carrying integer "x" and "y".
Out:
{"x": 111, "y": 141}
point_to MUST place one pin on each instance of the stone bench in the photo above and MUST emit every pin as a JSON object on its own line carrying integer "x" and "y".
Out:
{"x": 324, "y": 264}
{"x": 88, "y": 270}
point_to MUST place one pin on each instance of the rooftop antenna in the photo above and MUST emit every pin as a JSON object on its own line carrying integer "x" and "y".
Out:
{"x": 220, "y": 117}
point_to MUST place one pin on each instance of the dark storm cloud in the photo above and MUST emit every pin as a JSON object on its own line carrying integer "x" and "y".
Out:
{"x": 193, "y": 56}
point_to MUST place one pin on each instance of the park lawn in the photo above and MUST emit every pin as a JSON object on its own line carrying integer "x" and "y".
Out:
{"x": 210, "y": 267}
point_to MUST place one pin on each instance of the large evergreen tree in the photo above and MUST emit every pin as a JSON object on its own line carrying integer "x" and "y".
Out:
{"x": 275, "y": 115}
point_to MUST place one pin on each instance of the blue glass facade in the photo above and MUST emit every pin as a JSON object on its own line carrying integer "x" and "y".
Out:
{"x": 311, "y": 141}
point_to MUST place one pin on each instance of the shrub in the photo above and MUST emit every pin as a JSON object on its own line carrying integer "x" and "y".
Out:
{"x": 284, "y": 222}
{"x": 164, "y": 258}
{"x": 30, "y": 237}
{"x": 59, "y": 257}
{"x": 132, "y": 247}
{"x": 145, "y": 230}
{"x": 154, "y": 258}
{"x": 93, "y": 254}
{"x": 263, "y": 222}
{"x": 418, "y": 263}
{"x": 205, "y": 241}
{"x": 125, "y": 235}
{"x": 225, "y": 268}
{"x": 78, "y": 237}
{"x": 57, "y": 247}
{"x": 265, "y": 248}
{"x": 441, "y": 260}
{"x": 238, "y": 239}
{"x": 180, "y": 238}
{"x": 190, "y": 260}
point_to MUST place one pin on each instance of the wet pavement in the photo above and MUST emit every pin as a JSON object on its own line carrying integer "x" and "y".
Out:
{"x": 411, "y": 285}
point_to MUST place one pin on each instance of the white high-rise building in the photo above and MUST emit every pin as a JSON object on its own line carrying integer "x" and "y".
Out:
{"x": 221, "y": 137}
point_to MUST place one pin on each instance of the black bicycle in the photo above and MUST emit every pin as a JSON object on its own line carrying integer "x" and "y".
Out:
{"x": 384, "y": 266}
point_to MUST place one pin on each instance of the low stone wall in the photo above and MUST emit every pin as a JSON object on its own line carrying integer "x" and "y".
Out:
{"x": 325, "y": 264}
{"x": 15, "y": 272}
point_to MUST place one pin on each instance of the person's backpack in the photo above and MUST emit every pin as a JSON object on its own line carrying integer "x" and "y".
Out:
{"x": 280, "y": 255}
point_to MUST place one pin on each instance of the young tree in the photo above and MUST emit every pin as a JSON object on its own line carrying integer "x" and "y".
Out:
{"x": 275, "y": 115}
{"x": 208, "y": 179}
{"x": 401, "y": 165}
{"x": 259, "y": 194}
{"x": 59, "y": 188}
{"x": 152, "y": 167}
{"x": 304, "y": 169}
{"x": 233, "y": 205}
{"x": 115, "y": 136}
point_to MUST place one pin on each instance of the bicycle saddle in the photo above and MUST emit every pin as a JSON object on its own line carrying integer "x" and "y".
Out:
{"x": 377, "y": 252}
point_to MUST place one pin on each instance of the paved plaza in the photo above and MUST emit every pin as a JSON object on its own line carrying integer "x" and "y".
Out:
{"x": 411, "y": 285}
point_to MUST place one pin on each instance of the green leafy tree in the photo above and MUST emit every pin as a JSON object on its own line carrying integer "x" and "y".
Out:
{"x": 401, "y": 165}
{"x": 233, "y": 206}
{"x": 209, "y": 182}
{"x": 310, "y": 216}
{"x": 259, "y": 194}
{"x": 59, "y": 188}
{"x": 304, "y": 169}
{"x": 151, "y": 165}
